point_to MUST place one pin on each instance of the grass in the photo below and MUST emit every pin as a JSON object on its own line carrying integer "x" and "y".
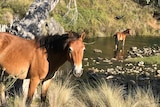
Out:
{"x": 148, "y": 60}
{"x": 97, "y": 17}
{"x": 9, "y": 9}
{"x": 66, "y": 91}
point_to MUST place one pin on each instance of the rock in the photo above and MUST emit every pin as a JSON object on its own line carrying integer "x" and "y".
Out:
{"x": 94, "y": 69}
{"x": 110, "y": 77}
{"x": 136, "y": 71}
{"x": 87, "y": 64}
{"x": 106, "y": 60}
{"x": 147, "y": 74}
{"x": 101, "y": 70}
{"x": 97, "y": 62}
{"x": 119, "y": 68}
{"x": 158, "y": 71}
{"x": 99, "y": 59}
{"x": 110, "y": 70}
{"x": 129, "y": 64}
{"x": 154, "y": 65}
{"x": 139, "y": 55}
{"x": 141, "y": 63}
{"x": 97, "y": 51}
{"x": 134, "y": 49}
{"x": 113, "y": 59}
{"x": 85, "y": 59}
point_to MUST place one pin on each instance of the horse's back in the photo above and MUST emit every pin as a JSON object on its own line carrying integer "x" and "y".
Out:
{"x": 15, "y": 54}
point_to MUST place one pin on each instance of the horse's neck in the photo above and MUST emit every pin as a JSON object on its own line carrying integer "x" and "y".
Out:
{"x": 126, "y": 32}
{"x": 57, "y": 59}
{"x": 55, "y": 62}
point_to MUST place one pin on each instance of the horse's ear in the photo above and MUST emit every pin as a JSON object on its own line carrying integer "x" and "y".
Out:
{"x": 83, "y": 35}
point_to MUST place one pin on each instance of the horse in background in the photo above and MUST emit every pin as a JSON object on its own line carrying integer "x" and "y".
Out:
{"x": 121, "y": 36}
{"x": 39, "y": 59}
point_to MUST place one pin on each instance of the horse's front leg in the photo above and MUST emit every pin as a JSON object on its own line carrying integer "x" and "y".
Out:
{"x": 123, "y": 42}
{"x": 45, "y": 86}
{"x": 32, "y": 87}
{"x": 116, "y": 43}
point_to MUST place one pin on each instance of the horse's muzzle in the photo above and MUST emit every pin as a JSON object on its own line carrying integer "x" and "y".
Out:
{"x": 77, "y": 71}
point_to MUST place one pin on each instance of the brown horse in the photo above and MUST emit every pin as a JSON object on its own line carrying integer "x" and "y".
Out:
{"x": 39, "y": 59}
{"x": 121, "y": 36}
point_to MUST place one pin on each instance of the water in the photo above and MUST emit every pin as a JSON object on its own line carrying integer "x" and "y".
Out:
{"x": 107, "y": 45}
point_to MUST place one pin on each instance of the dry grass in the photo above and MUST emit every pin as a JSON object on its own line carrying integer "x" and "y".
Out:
{"x": 142, "y": 98}
{"x": 61, "y": 94}
{"x": 66, "y": 91}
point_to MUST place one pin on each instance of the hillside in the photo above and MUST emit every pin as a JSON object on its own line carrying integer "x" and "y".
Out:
{"x": 99, "y": 17}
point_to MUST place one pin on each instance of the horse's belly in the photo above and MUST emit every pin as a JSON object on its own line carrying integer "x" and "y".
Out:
{"x": 16, "y": 66}
{"x": 17, "y": 71}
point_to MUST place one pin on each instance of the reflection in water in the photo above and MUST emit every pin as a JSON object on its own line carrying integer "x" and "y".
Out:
{"x": 119, "y": 54}
{"x": 102, "y": 60}
{"x": 107, "y": 45}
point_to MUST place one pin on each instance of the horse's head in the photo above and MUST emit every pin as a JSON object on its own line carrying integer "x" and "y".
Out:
{"x": 75, "y": 53}
{"x": 128, "y": 31}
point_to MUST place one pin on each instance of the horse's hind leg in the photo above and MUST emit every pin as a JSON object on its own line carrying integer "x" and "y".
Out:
{"x": 32, "y": 87}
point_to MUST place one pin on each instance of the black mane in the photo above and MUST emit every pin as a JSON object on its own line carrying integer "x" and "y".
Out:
{"x": 57, "y": 43}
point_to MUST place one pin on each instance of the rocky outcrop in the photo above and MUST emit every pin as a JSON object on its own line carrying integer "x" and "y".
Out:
{"x": 34, "y": 23}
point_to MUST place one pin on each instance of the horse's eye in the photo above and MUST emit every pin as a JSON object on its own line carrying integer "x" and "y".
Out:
{"x": 84, "y": 49}
{"x": 70, "y": 50}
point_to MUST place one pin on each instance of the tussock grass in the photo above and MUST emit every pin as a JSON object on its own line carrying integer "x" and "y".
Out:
{"x": 104, "y": 95}
{"x": 142, "y": 98}
{"x": 70, "y": 93}
{"x": 17, "y": 101}
{"x": 67, "y": 91}
{"x": 62, "y": 92}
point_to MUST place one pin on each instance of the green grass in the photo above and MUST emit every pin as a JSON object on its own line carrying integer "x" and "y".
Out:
{"x": 11, "y": 8}
{"x": 97, "y": 17}
{"x": 148, "y": 60}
